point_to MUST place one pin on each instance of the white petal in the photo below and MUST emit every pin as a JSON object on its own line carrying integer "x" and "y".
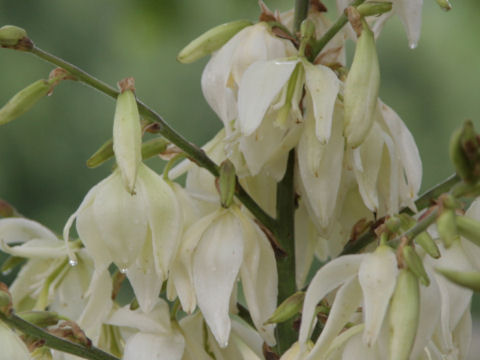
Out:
{"x": 259, "y": 278}
{"x": 144, "y": 346}
{"x": 12, "y": 347}
{"x": 216, "y": 263}
{"x": 164, "y": 218}
{"x": 462, "y": 335}
{"x": 144, "y": 279}
{"x": 156, "y": 321}
{"x": 121, "y": 219}
{"x": 259, "y": 86}
{"x": 347, "y": 299}
{"x": 19, "y": 230}
{"x": 357, "y": 350}
{"x": 328, "y": 278}
{"x": 377, "y": 276}
{"x": 248, "y": 335}
{"x": 193, "y": 329}
{"x": 306, "y": 237}
{"x": 339, "y": 342}
{"x": 410, "y": 12}
{"x": 37, "y": 248}
{"x": 323, "y": 86}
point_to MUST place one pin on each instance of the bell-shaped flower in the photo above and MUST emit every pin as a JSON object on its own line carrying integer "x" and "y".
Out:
{"x": 135, "y": 231}
{"x": 214, "y": 252}
{"x": 151, "y": 335}
{"x": 13, "y": 348}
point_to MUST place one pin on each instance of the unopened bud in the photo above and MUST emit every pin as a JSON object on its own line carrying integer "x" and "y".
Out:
{"x": 210, "y": 41}
{"x": 444, "y": 4}
{"x": 41, "y": 353}
{"x": 374, "y": 8}
{"x": 287, "y": 309}
{"x": 104, "y": 153}
{"x": 227, "y": 182}
{"x": 404, "y": 314}
{"x": 127, "y": 135}
{"x": 406, "y": 222}
{"x": 154, "y": 147}
{"x": 447, "y": 227}
{"x": 41, "y": 319}
{"x": 463, "y": 152}
{"x": 469, "y": 228}
{"x": 11, "y": 36}
{"x": 428, "y": 244}
{"x": 307, "y": 29}
{"x": 415, "y": 264}
{"x": 361, "y": 89}
{"x": 24, "y": 100}
{"x": 393, "y": 224}
{"x": 468, "y": 279}
{"x": 5, "y": 300}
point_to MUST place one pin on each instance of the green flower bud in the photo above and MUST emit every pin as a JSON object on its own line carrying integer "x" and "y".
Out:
{"x": 447, "y": 227}
{"x": 24, "y": 100}
{"x": 5, "y": 300}
{"x": 374, "y": 8}
{"x": 104, "y": 153}
{"x": 393, "y": 224}
{"x": 11, "y": 35}
{"x": 465, "y": 164}
{"x": 227, "y": 182}
{"x": 404, "y": 313}
{"x": 469, "y": 228}
{"x": 287, "y": 309}
{"x": 361, "y": 89}
{"x": 468, "y": 279}
{"x": 127, "y": 135}
{"x": 444, "y": 4}
{"x": 154, "y": 147}
{"x": 41, "y": 353}
{"x": 415, "y": 264}
{"x": 210, "y": 41}
{"x": 40, "y": 318}
{"x": 428, "y": 244}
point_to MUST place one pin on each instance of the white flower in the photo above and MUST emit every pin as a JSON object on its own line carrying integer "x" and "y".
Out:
{"x": 214, "y": 252}
{"x": 137, "y": 232}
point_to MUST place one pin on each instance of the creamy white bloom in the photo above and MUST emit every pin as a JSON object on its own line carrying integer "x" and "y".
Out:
{"x": 13, "y": 348}
{"x": 214, "y": 252}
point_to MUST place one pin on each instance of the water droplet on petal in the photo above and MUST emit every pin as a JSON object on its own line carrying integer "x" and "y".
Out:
{"x": 72, "y": 262}
{"x": 123, "y": 269}
{"x": 412, "y": 45}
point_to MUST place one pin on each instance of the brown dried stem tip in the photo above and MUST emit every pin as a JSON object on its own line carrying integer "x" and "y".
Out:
{"x": 126, "y": 84}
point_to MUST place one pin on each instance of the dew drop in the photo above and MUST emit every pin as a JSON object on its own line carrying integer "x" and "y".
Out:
{"x": 123, "y": 269}
{"x": 412, "y": 45}
{"x": 72, "y": 262}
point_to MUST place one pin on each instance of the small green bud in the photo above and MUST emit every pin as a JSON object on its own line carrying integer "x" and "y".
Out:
{"x": 393, "y": 224}
{"x": 104, "y": 153}
{"x": 404, "y": 313}
{"x": 11, "y": 35}
{"x": 24, "y": 100}
{"x": 469, "y": 228}
{"x": 468, "y": 279}
{"x": 361, "y": 89}
{"x": 307, "y": 29}
{"x": 374, "y": 8}
{"x": 415, "y": 264}
{"x": 41, "y": 353}
{"x": 154, "y": 147}
{"x": 447, "y": 227}
{"x": 5, "y": 300}
{"x": 406, "y": 222}
{"x": 210, "y": 41}
{"x": 465, "y": 162}
{"x": 444, "y": 4}
{"x": 227, "y": 182}
{"x": 41, "y": 319}
{"x": 287, "y": 309}
{"x": 127, "y": 134}
{"x": 428, "y": 244}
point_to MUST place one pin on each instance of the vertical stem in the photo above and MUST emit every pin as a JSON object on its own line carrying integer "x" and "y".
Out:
{"x": 301, "y": 12}
{"x": 284, "y": 232}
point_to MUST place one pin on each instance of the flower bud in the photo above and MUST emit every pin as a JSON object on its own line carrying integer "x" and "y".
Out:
{"x": 377, "y": 275}
{"x": 24, "y": 100}
{"x": 127, "y": 135}
{"x": 415, "y": 264}
{"x": 361, "y": 89}
{"x": 468, "y": 279}
{"x": 154, "y": 147}
{"x": 288, "y": 308}
{"x": 428, "y": 244}
{"x": 11, "y": 35}
{"x": 404, "y": 312}
{"x": 447, "y": 227}
{"x": 210, "y": 41}
{"x": 40, "y": 318}
{"x": 464, "y": 164}
{"x": 469, "y": 228}
{"x": 104, "y": 153}
{"x": 444, "y": 4}
{"x": 374, "y": 8}
{"x": 227, "y": 182}
{"x": 42, "y": 353}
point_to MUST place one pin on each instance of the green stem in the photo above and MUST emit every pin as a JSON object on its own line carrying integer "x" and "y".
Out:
{"x": 424, "y": 201}
{"x": 331, "y": 32}
{"x": 194, "y": 152}
{"x": 284, "y": 233}
{"x": 300, "y": 14}
{"x": 419, "y": 227}
{"x": 55, "y": 342}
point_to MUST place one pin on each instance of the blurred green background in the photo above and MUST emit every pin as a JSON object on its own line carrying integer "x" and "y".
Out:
{"x": 42, "y": 154}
